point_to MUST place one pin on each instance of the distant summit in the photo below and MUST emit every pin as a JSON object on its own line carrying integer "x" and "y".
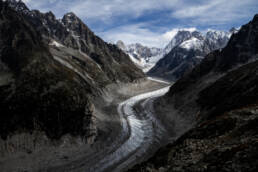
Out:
{"x": 144, "y": 57}
{"x": 187, "y": 49}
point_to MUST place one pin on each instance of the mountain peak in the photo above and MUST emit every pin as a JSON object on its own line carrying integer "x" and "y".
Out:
{"x": 233, "y": 30}
{"x": 181, "y": 35}
{"x": 255, "y": 17}
{"x": 69, "y": 14}
{"x": 13, "y": 1}
{"x": 70, "y": 19}
{"x": 50, "y": 15}
{"x": 192, "y": 43}
{"x": 18, "y": 6}
{"x": 216, "y": 34}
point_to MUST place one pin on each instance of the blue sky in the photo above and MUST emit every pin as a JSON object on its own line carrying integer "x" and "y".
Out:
{"x": 151, "y": 22}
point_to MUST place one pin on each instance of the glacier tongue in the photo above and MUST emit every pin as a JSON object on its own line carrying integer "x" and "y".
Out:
{"x": 141, "y": 130}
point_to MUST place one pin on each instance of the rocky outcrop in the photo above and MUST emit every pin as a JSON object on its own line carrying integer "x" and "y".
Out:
{"x": 228, "y": 143}
{"x": 220, "y": 97}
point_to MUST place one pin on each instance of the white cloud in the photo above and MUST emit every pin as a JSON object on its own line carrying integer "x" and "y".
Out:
{"x": 140, "y": 34}
{"x": 217, "y": 12}
{"x": 103, "y": 9}
{"x": 132, "y": 34}
{"x": 188, "y": 13}
{"x": 202, "y": 12}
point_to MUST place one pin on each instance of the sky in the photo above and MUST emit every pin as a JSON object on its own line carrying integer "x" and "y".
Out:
{"x": 151, "y": 22}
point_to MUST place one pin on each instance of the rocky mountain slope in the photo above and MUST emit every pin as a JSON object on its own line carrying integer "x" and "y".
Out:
{"x": 144, "y": 57}
{"x": 71, "y": 32}
{"x": 186, "y": 49}
{"x": 51, "y": 88}
{"x": 34, "y": 87}
{"x": 219, "y": 101}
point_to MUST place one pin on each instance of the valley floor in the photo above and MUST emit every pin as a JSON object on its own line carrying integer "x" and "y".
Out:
{"x": 134, "y": 134}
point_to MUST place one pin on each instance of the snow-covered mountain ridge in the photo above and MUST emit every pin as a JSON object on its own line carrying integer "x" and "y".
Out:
{"x": 143, "y": 56}
{"x": 188, "y": 49}
{"x": 194, "y": 39}
{"x": 188, "y": 39}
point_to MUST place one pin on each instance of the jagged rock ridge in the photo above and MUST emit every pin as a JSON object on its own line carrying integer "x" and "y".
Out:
{"x": 71, "y": 32}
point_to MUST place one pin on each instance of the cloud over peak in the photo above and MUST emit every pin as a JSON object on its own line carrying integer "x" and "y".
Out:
{"x": 151, "y": 22}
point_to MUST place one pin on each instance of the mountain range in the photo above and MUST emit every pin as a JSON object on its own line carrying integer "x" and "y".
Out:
{"x": 188, "y": 50}
{"x": 185, "y": 50}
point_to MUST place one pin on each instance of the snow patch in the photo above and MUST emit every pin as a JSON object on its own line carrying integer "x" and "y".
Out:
{"x": 54, "y": 43}
{"x": 193, "y": 43}
{"x": 171, "y": 34}
{"x": 157, "y": 80}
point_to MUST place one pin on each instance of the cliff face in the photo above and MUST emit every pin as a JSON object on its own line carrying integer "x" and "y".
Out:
{"x": 220, "y": 98}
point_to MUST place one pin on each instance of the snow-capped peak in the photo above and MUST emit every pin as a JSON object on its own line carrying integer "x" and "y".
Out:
{"x": 171, "y": 34}
{"x": 234, "y": 30}
{"x": 216, "y": 34}
{"x": 215, "y": 39}
{"x": 70, "y": 15}
{"x": 18, "y": 5}
{"x": 143, "y": 56}
{"x": 188, "y": 39}
{"x": 179, "y": 36}
{"x": 192, "y": 43}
